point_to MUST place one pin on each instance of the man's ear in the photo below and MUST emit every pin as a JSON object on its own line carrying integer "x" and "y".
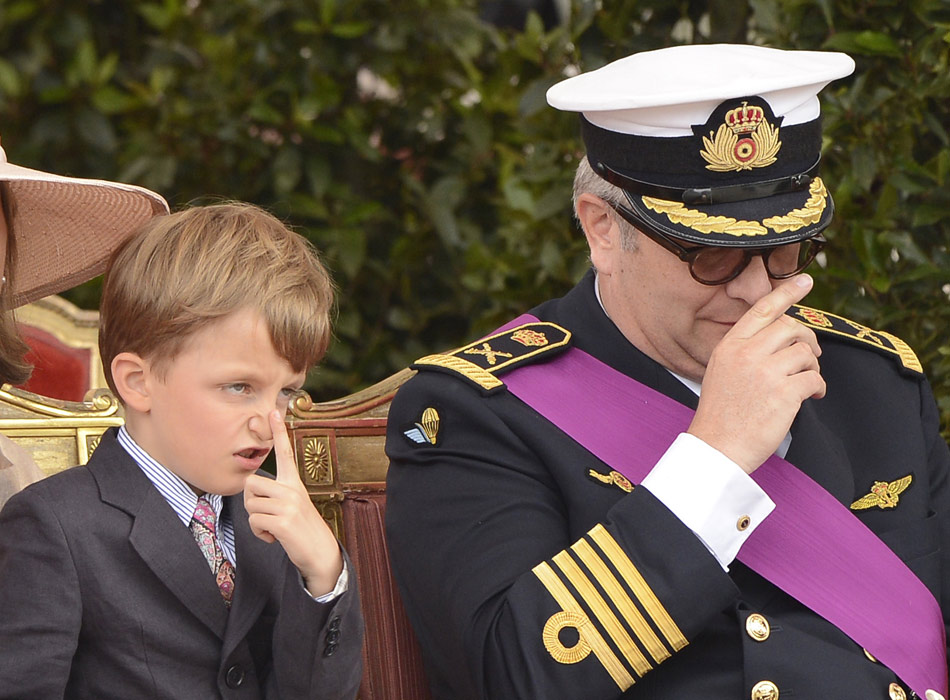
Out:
{"x": 601, "y": 229}
{"x": 132, "y": 376}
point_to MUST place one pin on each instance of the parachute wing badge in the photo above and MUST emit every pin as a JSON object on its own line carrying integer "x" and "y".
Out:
{"x": 426, "y": 431}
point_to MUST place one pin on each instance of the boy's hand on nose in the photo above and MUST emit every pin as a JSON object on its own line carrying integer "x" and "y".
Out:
{"x": 281, "y": 510}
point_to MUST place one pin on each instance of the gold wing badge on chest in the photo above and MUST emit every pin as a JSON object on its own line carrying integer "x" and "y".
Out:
{"x": 884, "y": 494}
{"x": 426, "y": 431}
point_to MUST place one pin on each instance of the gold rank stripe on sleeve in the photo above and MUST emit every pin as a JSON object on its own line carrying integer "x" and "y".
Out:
{"x": 589, "y": 639}
{"x": 596, "y": 620}
{"x": 621, "y": 600}
{"x": 641, "y": 590}
{"x": 603, "y": 613}
{"x": 824, "y": 322}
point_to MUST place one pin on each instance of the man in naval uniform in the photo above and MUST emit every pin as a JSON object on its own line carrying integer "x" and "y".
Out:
{"x": 676, "y": 481}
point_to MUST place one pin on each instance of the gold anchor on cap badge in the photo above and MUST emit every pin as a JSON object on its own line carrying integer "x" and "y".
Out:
{"x": 883, "y": 494}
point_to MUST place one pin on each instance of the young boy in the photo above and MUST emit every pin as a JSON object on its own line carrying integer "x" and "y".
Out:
{"x": 168, "y": 567}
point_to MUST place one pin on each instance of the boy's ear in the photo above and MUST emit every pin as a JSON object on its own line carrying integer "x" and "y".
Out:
{"x": 131, "y": 375}
{"x": 601, "y": 229}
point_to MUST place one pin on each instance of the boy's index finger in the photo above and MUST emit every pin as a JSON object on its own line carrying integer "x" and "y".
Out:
{"x": 772, "y": 306}
{"x": 283, "y": 451}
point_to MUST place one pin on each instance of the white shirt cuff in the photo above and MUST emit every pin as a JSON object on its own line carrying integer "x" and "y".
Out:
{"x": 339, "y": 589}
{"x": 710, "y": 494}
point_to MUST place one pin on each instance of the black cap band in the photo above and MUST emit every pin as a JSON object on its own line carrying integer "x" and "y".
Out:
{"x": 676, "y": 162}
{"x": 709, "y": 195}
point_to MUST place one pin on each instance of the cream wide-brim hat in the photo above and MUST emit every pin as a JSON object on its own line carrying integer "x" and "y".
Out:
{"x": 66, "y": 228}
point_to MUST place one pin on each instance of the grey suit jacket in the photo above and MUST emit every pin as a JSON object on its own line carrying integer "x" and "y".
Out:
{"x": 104, "y": 594}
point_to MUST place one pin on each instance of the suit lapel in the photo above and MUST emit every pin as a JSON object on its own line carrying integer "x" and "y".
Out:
{"x": 817, "y": 452}
{"x": 165, "y": 545}
{"x": 258, "y": 565}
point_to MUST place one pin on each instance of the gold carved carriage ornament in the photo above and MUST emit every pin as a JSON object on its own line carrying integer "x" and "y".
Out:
{"x": 339, "y": 446}
{"x": 59, "y": 434}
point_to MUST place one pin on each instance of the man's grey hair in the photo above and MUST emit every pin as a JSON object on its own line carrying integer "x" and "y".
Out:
{"x": 586, "y": 180}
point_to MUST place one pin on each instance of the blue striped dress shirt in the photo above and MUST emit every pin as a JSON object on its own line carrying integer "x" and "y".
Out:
{"x": 183, "y": 500}
{"x": 180, "y": 495}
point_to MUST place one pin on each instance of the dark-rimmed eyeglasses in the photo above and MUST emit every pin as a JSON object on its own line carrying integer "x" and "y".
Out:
{"x": 712, "y": 265}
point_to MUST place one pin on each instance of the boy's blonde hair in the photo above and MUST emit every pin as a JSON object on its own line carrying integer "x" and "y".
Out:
{"x": 183, "y": 271}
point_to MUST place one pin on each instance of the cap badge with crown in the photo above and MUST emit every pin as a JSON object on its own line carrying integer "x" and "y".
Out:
{"x": 713, "y": 144}
{"x": 745, "y": 140}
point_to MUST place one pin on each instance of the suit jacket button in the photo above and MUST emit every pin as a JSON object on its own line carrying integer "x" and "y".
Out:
{"x": 757, "y": 627}
{"x": 334, "y": 624}
{"x": 330, "y": 648}
{"x": 765, "y": 690}
{"x": 333, "y": 637}
{"x": 234, "y": 677}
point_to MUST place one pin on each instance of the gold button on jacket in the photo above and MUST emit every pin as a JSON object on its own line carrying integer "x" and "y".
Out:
{"x": 896, "y": 692}
{"x": 765, "y": 690}
{"x": 757, "y": 627}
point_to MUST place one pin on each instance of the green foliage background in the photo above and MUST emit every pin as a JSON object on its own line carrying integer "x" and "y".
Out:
{"x": 410, "y": 141}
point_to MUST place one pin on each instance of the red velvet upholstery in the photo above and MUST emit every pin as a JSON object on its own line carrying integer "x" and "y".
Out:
{"x": 391, "y": 656}
{"x": 59, "y": 371}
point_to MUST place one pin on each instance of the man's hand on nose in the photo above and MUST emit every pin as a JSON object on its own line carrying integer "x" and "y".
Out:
{"x": 757, "y": 378}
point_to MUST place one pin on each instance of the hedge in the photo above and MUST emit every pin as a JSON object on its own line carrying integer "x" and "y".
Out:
{"x": 410, "y": 141}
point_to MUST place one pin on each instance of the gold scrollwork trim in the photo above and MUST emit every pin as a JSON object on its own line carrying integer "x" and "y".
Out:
{"x": 87, "y": 440}
{"x": 100, "y": 405}
{"x": 678, "y": 213}
{"x": 333, "y": 514}
{"x": 597, "y": 643}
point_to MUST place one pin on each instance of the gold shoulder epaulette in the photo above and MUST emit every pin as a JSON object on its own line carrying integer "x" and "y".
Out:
{"x": 824, "y": 322}
{"x": 480, "y": 361}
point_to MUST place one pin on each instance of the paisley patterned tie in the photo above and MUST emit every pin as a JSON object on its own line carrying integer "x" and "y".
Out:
{"x": 203, "y": 529}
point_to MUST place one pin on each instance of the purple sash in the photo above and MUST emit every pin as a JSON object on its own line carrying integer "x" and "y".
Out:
{"x": 811, "y": 546}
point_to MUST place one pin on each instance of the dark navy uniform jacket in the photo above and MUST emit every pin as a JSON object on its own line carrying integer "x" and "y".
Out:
{"x": 483, "y": 490}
